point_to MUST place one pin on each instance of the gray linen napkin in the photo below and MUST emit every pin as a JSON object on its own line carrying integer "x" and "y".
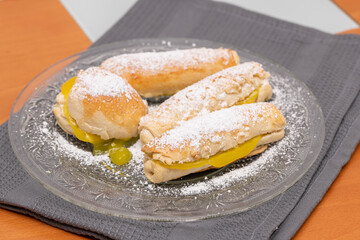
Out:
{"x": 328, "y": 64}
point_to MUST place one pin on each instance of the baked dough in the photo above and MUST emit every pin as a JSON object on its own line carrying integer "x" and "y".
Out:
{"x": 221, "y": 90}
{"x": 61, "y": 119}
{"x": 208, "y": 135}
{"x": 102, "y": 103}
{"x": 164, "y": 73}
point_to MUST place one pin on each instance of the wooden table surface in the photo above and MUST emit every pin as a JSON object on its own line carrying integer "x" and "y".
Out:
{"x": 35, "y": 34}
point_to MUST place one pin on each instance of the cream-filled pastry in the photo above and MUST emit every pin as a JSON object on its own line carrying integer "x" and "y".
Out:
{"x": 97, "y": 106}
{"x": 164, "y": 73}
{"x": 213, "y": 140}
{"x": 244, "y": 83}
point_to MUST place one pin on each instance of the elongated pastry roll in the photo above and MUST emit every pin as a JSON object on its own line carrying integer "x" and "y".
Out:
{"x": 213, "y": 140}
{"x": 98, "y": 102}
{"x": 244, "y": 83}
{"x": 164, "y": 73}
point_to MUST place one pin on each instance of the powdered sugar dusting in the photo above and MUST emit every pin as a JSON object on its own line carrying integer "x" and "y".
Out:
{"x": 85, "y": 157}
{"x": 208, "y": 127}
{"x": 152, "y": 62}
{"x": 96, "y": 82}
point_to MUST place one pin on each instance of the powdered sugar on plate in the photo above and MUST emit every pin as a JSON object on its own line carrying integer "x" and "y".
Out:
{"x": 76, "y": 154}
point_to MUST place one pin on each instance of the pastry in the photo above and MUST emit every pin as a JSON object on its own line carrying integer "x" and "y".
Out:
{"x": 244, "y": 83}
{"x": 155, "y": 74}
{"x": 97, "y": 106}
{"x": 101, "y": 103}
{"x": 213, "y": 140}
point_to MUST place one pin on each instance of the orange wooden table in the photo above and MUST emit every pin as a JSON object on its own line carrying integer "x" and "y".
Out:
{"x": 37, "y": 33}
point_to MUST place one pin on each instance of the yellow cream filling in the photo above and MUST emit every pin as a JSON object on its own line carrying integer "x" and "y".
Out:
{"x": 118, "y": 154}
{"x": 221, "y": 159}
{"x": 249, "y": 99}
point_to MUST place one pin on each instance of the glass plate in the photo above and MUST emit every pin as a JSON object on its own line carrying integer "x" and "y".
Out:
{"x": 66, "y": 167}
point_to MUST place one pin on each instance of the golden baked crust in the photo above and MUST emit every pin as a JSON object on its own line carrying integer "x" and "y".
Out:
{"x": 104, "y": 104}
{"x": 221, "y": 90}
{"x": 165, "y": 73}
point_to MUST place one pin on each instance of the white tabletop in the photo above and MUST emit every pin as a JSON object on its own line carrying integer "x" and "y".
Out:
{"x": 95, "y": 17}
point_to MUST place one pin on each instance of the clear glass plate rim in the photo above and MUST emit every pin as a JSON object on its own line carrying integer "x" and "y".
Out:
{"x": 109, "y": 46}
